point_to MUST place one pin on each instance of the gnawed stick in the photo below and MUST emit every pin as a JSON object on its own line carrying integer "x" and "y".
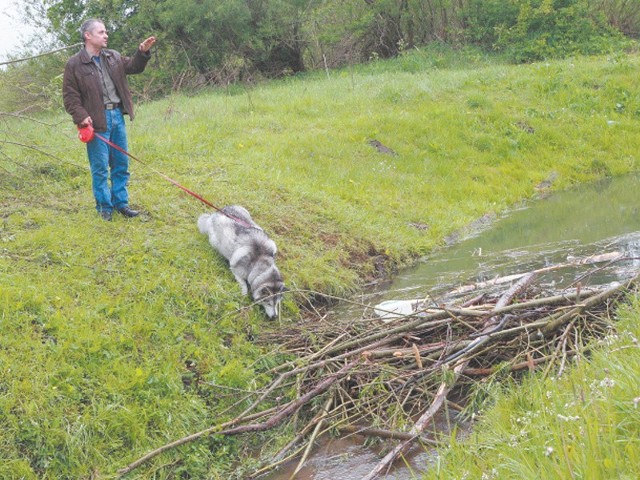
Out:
{"x": 421, "y": 424}
{"x": 289, "y": 409}
{"x": 507, "y": 297}
{"x": 316, "y": 430}
{"x": 553, "y": 322}
{"x": 516, "y": 366}
{"x": 593, "y": 259}
{"x": 388, "y": 434}
{"x": 587, "y": 303}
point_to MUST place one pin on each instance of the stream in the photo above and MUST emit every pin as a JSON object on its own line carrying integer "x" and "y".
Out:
{"x": 590, "y": 220}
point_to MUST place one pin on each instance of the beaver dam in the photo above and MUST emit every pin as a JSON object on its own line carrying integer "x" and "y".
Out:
{"x": 399, "y": 369}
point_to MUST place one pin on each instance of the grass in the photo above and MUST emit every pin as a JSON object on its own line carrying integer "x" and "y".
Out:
{"x": 118, "y": 337}
{"x": 585, "y": 424}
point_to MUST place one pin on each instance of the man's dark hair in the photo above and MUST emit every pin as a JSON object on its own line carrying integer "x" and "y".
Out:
{"x": 87, "y": 25}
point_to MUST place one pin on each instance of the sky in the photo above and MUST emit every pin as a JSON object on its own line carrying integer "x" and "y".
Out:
{"x": 12, "y": 32}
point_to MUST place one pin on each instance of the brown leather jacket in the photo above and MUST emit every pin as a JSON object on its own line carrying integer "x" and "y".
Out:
{"x": 81, "y": 89}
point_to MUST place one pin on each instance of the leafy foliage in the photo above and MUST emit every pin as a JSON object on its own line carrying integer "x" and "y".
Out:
{"x": 556, "y": 29}
{"x": 535, "y": 30}
{"x": 221, "y": 42}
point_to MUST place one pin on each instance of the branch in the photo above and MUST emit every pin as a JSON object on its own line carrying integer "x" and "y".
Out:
{"x": 388, "y": 434}
{"x": 31, "y": 147}
{"x": 41, "y": 54}
{"x": 31, "y": 119}
{"x": 289, "y": 409}
{"x": 316, "y": 430}
{"x": 421, "y": 424}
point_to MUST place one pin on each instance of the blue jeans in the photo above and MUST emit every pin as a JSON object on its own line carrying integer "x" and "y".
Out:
{"x": 109, "y": 164}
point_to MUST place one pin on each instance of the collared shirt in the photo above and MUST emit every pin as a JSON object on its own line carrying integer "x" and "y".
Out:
{"x": 109, "y": 91}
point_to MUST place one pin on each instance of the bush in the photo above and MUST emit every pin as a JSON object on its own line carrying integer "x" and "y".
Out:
{"x": 557, "y": 29}
{"x": 530, "y": 30}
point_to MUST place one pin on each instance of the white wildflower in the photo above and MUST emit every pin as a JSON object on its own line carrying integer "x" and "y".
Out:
{"x": 548, "y": 451}
{"x": 607, "y": 382}
{"x": 568, "y": 419}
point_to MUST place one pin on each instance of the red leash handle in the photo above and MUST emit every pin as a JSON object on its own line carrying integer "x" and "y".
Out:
{"x": 87, "y": 134}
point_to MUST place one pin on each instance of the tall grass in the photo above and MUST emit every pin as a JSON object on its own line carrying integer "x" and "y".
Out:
{"x": 117, "y": 337}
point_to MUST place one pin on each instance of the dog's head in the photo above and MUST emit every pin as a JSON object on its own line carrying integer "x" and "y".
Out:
{"x": 270, "y": 296}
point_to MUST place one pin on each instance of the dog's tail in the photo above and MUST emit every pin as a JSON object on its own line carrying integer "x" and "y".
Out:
{"x": 203, "y": 223}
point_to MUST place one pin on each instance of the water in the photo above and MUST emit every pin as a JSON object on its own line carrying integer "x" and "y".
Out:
{"x": 347, "y": 458}
{"x": 590, "y": 220}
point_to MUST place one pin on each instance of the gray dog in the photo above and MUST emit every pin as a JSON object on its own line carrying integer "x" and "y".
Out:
{"x": 250, "y": 252}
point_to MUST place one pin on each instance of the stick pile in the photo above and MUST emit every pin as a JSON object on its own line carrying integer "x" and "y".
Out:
{"x": 390, "y": 379}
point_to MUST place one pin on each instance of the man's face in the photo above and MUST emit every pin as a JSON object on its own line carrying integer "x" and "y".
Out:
{"x": 97, "y": 36}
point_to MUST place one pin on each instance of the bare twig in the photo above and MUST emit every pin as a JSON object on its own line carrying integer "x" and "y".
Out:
{"x": 40, "y": 55}
{"x": 420, "y": 425}
{"x": 312, "y": 440}
{"x": 280, "y": 415}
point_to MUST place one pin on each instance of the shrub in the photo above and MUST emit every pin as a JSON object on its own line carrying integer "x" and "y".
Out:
{"x": 624, "y": 15}
{"x": 530, "y": 30}
{"x": 557, "y": 29}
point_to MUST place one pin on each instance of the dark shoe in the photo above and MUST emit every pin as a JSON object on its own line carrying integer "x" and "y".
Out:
{"x": 127, "y": 212}
{"x": 106, "y": 215}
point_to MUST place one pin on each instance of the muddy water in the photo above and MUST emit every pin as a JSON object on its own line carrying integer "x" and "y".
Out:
{"x": 348, "y": 458}
{"x": 593, "y": 219}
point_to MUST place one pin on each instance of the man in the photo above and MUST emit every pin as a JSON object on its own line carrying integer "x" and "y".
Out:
{"x": 95, "y": 92}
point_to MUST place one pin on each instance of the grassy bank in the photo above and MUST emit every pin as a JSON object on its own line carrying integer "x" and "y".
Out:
{"x": 118, "y": 337}
{"x": 585, "y": 424}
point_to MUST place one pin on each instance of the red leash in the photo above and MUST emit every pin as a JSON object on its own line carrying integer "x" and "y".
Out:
{"x": 86, "y": 134}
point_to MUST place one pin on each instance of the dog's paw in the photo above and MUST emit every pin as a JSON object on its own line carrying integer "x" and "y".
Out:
{"x": 243, "y": 287}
